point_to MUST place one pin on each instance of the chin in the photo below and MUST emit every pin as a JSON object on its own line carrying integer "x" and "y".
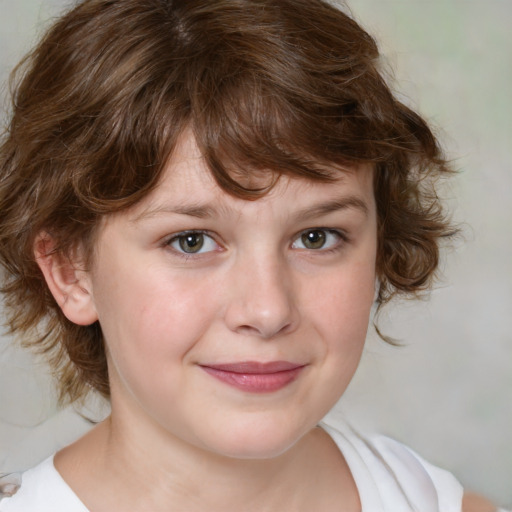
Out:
{"x": 255, "y": 449}
{"x": 257, "y": 441}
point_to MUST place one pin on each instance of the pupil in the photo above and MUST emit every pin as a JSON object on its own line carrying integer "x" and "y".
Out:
{"x": 191, "y": 243}
{"x": 314, "y": 239}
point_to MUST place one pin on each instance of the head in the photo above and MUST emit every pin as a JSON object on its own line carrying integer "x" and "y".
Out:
{"x": 267, "y": 90}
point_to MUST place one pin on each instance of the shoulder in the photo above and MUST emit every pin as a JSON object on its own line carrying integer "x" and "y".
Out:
{"x": 391, "y": 476}
{"x": 476, "y": 503}
{"x": 42, "y": 489}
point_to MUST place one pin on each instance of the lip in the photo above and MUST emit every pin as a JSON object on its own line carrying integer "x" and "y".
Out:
{"x": 255, "y": 377}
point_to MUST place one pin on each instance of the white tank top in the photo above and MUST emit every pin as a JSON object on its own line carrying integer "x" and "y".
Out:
{"x": 392, "y": 478}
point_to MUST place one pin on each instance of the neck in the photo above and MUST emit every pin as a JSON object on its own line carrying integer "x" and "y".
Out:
{"x": 197, "y": 478}
{"x": 159, "y": 470}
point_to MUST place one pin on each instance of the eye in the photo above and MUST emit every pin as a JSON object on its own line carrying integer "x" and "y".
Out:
{"x": 192, "y": 242}
{"x": 315, "y": 239}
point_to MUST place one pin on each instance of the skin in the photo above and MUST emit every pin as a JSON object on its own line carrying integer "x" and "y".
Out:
{"x": 257, "y": 289}
{"x": 475, "y": 503}
{"x": 254, "y": 292}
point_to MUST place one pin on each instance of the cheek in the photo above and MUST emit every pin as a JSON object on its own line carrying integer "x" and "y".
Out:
{"x": 343, "y": 301}
{"x": 151, "y": 314}
{"x": 151, "y": 324}
{"x": 338, "y": 311}
{"x": 340, "y": 315}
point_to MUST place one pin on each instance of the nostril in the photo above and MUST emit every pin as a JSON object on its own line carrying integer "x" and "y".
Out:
{"x": 264, "y": 331}
{"x": 247, "y": 329}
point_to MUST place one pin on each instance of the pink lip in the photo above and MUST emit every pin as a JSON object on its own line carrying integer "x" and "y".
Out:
{"x": 255, "y": 377}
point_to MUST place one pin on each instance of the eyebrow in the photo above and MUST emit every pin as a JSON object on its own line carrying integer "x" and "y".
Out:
{"x": 201, "y": 211}
{"x": 204, "y": 211}
{"x": 344, "y": 203}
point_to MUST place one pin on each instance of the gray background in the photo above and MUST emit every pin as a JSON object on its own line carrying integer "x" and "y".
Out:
{"x": 448, "y": 391}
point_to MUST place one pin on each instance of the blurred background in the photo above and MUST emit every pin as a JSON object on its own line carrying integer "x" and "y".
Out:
{"x": 447, "y": 392}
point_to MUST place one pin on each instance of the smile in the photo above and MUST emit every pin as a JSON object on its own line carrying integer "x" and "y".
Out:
{"x": 255, "y": 377}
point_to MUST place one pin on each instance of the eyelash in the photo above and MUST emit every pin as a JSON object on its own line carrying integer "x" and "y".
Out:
{"x": 182, "y": 235}
{"x": 336, "y": 246}
{"x": 342, "y": 238}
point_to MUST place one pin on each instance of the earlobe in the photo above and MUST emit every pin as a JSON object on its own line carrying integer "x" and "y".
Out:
{"x": 68, "y": 283}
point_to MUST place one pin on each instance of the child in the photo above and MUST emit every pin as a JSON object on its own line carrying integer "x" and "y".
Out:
{"x": 201, "y": 201}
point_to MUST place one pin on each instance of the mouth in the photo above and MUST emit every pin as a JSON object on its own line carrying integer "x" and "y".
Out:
{"x": 255, "y": 377}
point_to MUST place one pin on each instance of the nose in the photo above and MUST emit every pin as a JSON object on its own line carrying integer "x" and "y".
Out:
{"x": 262, "y": 301}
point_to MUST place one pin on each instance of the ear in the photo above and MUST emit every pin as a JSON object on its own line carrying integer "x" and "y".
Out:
{"x": 68, "y": 281}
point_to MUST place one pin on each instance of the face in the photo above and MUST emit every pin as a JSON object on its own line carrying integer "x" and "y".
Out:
{"x": 235, "y": 325}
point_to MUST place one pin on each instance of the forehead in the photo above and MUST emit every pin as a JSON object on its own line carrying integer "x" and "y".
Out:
{"x": 187, "y": 185}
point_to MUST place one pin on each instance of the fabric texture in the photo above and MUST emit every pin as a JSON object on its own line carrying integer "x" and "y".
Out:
{"x": 43, "y": 490}
{"x": 392, "y": 478}
{"x": 389, "y": 476}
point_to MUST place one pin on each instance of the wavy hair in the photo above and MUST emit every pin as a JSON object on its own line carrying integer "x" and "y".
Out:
{"x": 277, "y": 86}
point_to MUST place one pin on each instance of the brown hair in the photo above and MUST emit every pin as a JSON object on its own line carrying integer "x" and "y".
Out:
{"x": 289, "y": 86}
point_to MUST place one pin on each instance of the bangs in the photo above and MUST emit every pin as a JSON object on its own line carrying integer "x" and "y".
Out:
{"x": 250, "y": 135}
